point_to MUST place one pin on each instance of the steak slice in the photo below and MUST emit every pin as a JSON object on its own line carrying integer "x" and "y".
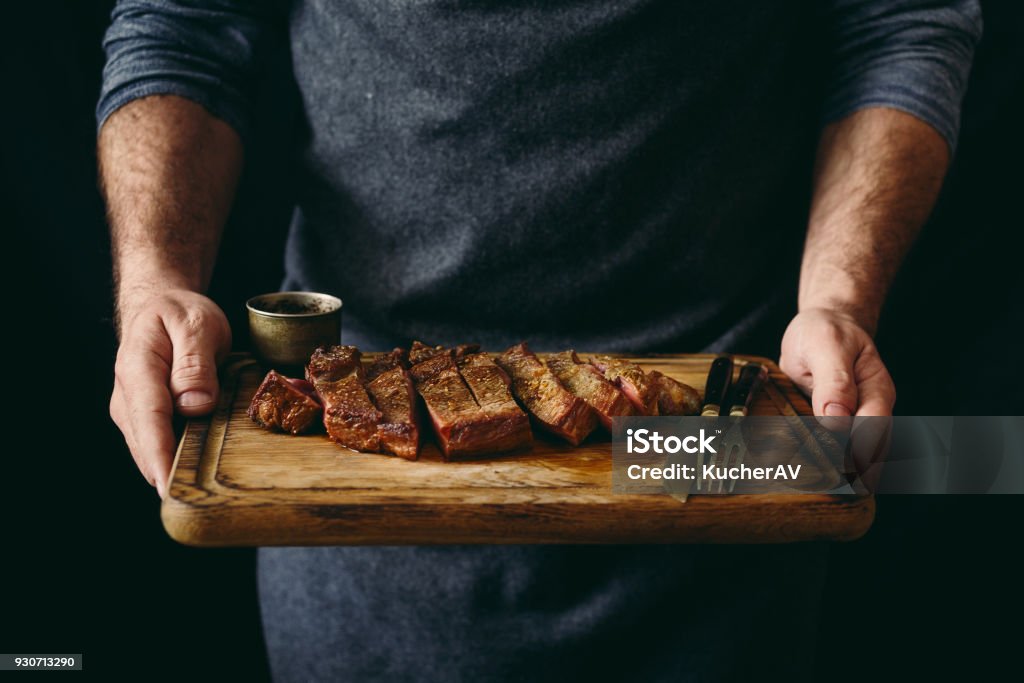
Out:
{"x": 351, "y": 419}
{"x": 551, "y": 404}
{"x": 393, "y": 394}
{"x": 508, "y": 426}
{"x": 462, "y": 427}
{"x": 586, "y": 382}
{"x": 285, "y": 404}
{"x": 463, "y": 350}
{"x": 674, "y": 398}
{"x": 630, "y": 378}
{"x": 396, "y": 358}
{"x": 420, "y": 352}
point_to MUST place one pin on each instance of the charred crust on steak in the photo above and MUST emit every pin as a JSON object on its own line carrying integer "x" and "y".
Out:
{"x": 284, "y": 404}
{"x": 463, "y": 350}
{"x": 463, "y": 427}
{"x": 396, "y": 358}
{"x": 475, "y": 402}
{"x": 508, "y": 425}
{"x": 631, "y": 379}
{"x": 419, "y": 352}
{"x": 674, "y": 397}
{"x": 350, "y": 417}
{"x": 392, "y": 392}
{"x": 588, "y": 383}
{"x": 552, "y": 406}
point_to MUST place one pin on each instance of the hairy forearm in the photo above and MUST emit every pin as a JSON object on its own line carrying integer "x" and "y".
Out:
{"x": 877, "y": 175}
{"x": 168, "y": 171}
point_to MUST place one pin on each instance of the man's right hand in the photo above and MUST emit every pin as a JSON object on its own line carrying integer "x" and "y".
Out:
{"x": 168, "y": 171}
{"x": 171, "y": 343}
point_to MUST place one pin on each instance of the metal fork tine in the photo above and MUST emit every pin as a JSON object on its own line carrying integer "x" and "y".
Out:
{"x": 726, "y": 460}
{"x": 741, "y": 452}
{"x": 716, "y": 461}
{"x": 729, "y": 460}
{"x": 721, "y": 461}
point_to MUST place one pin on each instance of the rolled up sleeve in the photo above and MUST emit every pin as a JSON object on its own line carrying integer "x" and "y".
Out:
{"x": 210, "y": 52}
{"x": 911, "y": 55}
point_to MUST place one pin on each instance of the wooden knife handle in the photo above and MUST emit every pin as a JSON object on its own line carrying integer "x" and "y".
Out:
{"x": 717, "y": 386}
{"x": 751, "y": 378}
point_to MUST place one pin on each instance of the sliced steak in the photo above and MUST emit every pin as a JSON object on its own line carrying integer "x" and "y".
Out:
{"x": 390, "y": 387}
{"x": 393, "y": 394}
{"x": 462, "y": 427}
{"x": 630, "y": 378}
{"x": 508, "y": 426}
{"x": 674, "y": 398}
{"x": 285, "y": 404}
{"x": 463, "y": 350}
{"x": 396, "y": 358}
{"x": 586, "y": 382}
{"x": 553, "y": 406}
{"x": 350, "y": 417}
{"x": 420, "y": 352}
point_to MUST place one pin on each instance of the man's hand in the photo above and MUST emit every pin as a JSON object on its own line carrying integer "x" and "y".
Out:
{"x": 833, "y": 359}
{"x": 168, "y": 171}
{"x": 876, "y": 177}
{"x": 171, "y": 344}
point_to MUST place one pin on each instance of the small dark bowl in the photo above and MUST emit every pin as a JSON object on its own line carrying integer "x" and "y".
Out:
{"x": 285, "y": 327}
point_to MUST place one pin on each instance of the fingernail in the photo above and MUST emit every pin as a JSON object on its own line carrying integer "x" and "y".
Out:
{"x": 836, "y": 410}
{"x": 192, "y": 399}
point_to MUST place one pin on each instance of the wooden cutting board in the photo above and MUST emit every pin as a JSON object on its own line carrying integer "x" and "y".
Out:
{"x": 234, "y": 484}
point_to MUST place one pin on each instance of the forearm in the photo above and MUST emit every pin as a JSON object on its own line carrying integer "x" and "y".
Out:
{"x": 877, "y": 175}
{"x": 168, "y": 171}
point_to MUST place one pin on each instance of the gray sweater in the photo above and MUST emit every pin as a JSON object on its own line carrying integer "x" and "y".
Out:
{"x": 626, "y": 175}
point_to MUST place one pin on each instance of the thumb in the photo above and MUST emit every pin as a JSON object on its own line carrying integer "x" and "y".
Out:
{"x": 833, "y": 388}
{"x": 193, "y": 379}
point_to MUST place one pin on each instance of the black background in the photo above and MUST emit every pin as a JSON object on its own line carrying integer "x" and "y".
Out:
{"x": 86, "y": 567}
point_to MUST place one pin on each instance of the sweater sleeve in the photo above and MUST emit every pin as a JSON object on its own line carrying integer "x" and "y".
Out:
{"x": 208, "y": 51}
{"x": 911, "y": 55}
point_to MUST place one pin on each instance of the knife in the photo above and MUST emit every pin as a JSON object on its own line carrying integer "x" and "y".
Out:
{"x": 752, "y": 376}
{"x": 716, "y": 388}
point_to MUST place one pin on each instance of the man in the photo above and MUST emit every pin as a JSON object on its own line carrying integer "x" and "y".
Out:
{"x": 607, "y": 175}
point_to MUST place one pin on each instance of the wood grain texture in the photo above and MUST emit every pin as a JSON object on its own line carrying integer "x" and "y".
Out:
{"x": 234, "y": 484}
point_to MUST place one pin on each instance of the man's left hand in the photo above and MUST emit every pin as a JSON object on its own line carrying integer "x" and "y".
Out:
{"x": 833, "y": 359}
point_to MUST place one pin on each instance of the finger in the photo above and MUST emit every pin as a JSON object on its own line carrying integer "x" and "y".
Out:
{"x": 117, "y": 407}
{"x": 834, "y": 392}
{"x": 146, "y": 410}
{"x": 118, "y": 414}
{"x": 121, "y": 417}
{"x": 193, "y": 378}
{"x": 868, "y": 448}
{"x": 872, "y": 428}
{"x": 875, "y": 387}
